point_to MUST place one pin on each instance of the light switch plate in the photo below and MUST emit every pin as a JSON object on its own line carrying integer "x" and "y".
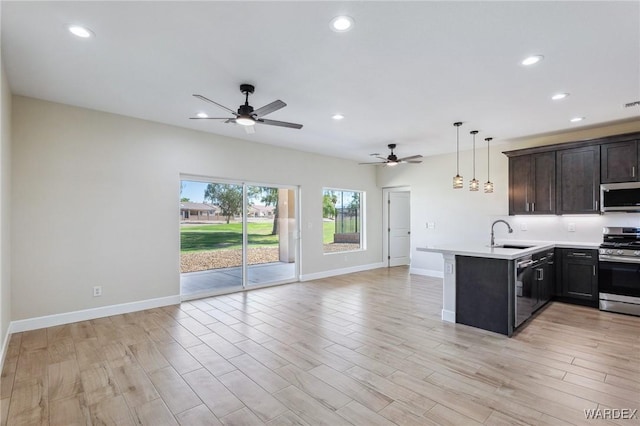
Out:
{"x": 431, "y": 225}
{"x": 571, "y": 227}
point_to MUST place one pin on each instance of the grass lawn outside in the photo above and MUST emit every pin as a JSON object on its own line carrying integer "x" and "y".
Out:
{"x": 219, "y": 236}
{"x": 328, "y": 229}
{"x": 219, "y": 245}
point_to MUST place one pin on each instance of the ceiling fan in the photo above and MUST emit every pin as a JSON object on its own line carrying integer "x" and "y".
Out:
{"x": 246, "y": 115}
{"x": 392, "y": 159}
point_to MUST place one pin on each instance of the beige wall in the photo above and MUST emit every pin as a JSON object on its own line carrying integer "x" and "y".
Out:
{"x": 463, "y": 216}
{"x": 86, "y": 168}
{"x": 5, "y": 194}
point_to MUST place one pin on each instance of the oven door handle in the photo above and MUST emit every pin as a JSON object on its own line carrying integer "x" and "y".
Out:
{"x": 620, "y": 259}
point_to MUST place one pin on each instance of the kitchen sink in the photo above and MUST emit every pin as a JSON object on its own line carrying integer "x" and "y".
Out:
{"x": 512, "y": 246}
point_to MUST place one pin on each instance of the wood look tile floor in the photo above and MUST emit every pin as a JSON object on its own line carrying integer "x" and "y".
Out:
{"x": 362, "y": 349}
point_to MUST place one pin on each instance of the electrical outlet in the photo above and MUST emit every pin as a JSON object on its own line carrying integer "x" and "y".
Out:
{"x": 97, "y": 291}
{"x": 523, "y": 226}
{"x": 449, "y": 267}
{"x": 431, "y": 225}
{"x": 571, "y": 227}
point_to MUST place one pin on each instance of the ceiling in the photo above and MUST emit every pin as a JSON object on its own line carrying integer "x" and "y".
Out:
{"x": 403, "y": 74}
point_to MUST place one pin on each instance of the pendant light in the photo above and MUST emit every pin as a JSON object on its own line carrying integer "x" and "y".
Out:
{"x": 474, "y": 184}
{"x": 458, "y": 182}
{"x": 488, "y": 185}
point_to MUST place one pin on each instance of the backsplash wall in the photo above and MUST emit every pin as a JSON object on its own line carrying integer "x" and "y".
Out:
{"x": 587, "y": 229}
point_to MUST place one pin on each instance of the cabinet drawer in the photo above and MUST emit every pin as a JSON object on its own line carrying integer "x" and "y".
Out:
{"x": 586, "y": 254}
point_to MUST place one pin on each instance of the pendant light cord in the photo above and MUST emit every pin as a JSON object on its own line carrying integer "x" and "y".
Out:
{"x": 474, "y": 132}
{"x": 474, "y": 155}
{"x": 488, "y": 158}
{"x": 458, "y": 124}
{"x": 488, "y": 164}
{"x": 457, "y": 150}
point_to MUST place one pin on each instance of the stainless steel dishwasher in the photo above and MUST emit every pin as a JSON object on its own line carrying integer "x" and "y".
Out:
{"x": 525, "y": 300}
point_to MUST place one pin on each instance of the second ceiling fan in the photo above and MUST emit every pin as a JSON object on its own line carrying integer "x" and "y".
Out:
{"x": 246, "y": 115}
{"x": 392, "y": 159}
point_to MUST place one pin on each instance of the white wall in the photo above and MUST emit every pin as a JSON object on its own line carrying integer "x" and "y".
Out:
{"x": 463, "y": 216}
{"x": 5, "y": 187}
{"x": 82, "y": 180}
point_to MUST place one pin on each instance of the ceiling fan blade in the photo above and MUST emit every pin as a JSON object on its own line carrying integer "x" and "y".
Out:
{"x": 410, "y": 158}
{"x": 268, "y": 109}
{"x": 215, "y": 103}
{"x": 211, "y": 118}
{"x": 375, "y": 162}
{"x": 279, "y": 123}
{"x": 250, "y": 129}
{"x": 230, "y": 120}
{"x": 382, "y": 158}
{"x": 413, "y": 161}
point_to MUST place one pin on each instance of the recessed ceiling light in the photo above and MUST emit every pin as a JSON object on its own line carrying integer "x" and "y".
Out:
{"x": 532, "y": 60}
{"x": 559, "y": 96}
{"x": 80, "y": 31}
{"x": 341, "y": 23}
{"x": 337, "y": 117}
{"x": 202, "y": 115}
{"x": 576, "y": 119}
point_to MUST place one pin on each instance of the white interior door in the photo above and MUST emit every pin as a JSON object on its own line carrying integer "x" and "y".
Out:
{"x": 399, "y": 204}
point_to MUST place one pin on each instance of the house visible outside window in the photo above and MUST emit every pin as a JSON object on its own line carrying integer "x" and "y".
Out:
{"x": 342, "y": 220}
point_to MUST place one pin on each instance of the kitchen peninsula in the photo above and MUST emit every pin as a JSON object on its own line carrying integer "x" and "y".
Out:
{"x": 497, "y": 288}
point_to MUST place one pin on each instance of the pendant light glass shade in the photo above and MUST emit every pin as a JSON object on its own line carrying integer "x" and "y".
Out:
{"x": 488, "y": 185}
{"x": 474, "y": 184}
{"x": 458, "y": 182}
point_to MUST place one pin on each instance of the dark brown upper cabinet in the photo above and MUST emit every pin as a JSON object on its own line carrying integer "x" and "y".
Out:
{"x": 578, "y": 180}
{"x": 619, "y": 162}
{"x": 532, "y": 184}
{"x": 565, "y": 178}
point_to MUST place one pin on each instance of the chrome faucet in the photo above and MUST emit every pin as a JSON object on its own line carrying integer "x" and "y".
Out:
{"x": 493, "y": 240}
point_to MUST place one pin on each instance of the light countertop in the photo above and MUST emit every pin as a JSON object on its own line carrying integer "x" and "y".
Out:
{"x": 478, "y": 250}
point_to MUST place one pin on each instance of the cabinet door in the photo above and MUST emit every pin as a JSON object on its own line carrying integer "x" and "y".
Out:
{"x": 579, "y": 275}
{"x": 578, "y": 180}
{"x": 519, "y": 184}
{"x": 619, "y": 162}
{"x": 543, "y": 183}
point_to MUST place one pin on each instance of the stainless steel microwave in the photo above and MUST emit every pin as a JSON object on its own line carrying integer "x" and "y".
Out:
{"x": 620, "y": 197}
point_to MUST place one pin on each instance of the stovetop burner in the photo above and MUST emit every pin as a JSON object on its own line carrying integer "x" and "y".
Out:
{"x": 631, "y": 245}
{"x": 621, "y": 238}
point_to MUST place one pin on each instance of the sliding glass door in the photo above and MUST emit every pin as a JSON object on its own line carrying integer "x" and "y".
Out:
{"x": 272, "y": 235}
{"x": 235, "y": 235}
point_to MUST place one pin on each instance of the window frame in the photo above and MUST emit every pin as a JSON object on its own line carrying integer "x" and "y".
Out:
{"x": 362, "y": 219}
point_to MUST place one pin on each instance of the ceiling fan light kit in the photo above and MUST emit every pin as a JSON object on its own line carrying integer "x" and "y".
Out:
{"x": 393, "y": 160}
{"x": 246, "y": 115}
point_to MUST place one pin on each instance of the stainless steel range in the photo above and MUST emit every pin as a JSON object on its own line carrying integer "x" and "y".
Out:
{"x": 619, "y": 275}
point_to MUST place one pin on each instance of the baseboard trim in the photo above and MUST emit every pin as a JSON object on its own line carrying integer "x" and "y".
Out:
{"x": 341, "y": 271}
{"x": 5, "y": 345}
{"x": 448, "y": 316}
{"x": 427, "y": 272}
{"x": 88, "y": 314}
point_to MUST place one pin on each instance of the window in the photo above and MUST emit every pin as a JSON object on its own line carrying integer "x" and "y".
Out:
{"x": 342, "y": 220}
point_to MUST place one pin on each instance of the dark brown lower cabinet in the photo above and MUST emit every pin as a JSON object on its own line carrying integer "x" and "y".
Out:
{"x": 579, "y": 276}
